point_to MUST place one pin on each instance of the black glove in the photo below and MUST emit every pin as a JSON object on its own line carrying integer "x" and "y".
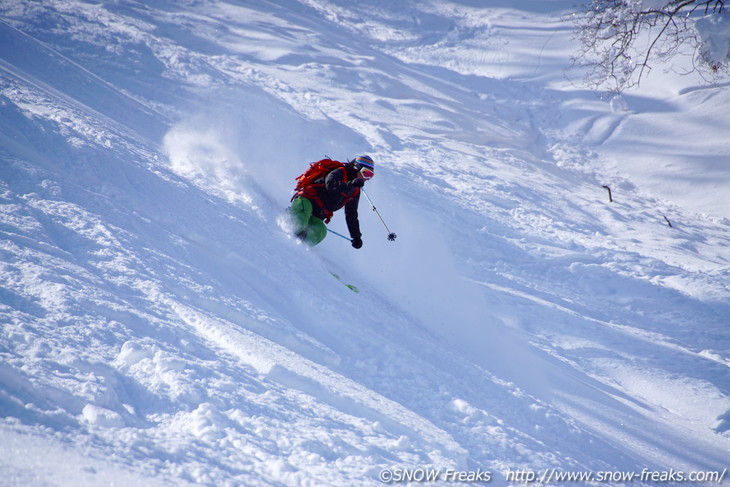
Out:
{"x": 358, "y": 183}
{"x": 357, "y": 242}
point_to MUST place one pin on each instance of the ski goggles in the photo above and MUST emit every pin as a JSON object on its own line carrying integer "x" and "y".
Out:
{"x": 366, "y": 173}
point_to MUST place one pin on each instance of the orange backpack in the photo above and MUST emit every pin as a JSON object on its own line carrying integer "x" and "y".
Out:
{"x": 317, "y": 170}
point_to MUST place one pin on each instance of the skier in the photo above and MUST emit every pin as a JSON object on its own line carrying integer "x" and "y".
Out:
{"x": 325, "y": 188}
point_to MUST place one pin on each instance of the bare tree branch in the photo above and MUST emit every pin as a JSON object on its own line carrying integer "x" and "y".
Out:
{"x": 621, "y": 39}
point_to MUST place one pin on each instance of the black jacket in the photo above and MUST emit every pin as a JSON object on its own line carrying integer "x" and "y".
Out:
{"x": 338, "y": 191}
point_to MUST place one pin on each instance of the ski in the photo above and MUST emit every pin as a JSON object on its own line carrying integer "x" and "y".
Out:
{"x": 352, "y": 287}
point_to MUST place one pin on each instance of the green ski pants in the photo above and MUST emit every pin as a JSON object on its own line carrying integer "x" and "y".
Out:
{"x": 309, "y": 228}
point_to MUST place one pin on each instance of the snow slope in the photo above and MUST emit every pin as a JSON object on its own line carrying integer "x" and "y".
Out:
{"x": 159, "y": 327}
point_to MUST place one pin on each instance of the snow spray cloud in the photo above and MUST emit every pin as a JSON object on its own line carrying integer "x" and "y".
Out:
{"x": 200, "y": 154}
{"x": 249, "y": 146}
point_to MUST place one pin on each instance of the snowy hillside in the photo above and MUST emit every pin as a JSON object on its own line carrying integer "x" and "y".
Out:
{"x": 159, "y": 328}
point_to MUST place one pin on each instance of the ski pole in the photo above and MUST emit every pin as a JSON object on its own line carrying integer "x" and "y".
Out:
{"x": 339, "y": 234}
{"x": 391, "y": 235}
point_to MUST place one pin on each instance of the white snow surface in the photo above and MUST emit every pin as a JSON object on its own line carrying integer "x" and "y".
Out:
{"x": 160, "y": 328}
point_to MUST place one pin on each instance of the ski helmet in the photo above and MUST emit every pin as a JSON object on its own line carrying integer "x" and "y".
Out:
{"x": 365, "y": 165}
{"x": 365, "y": 161}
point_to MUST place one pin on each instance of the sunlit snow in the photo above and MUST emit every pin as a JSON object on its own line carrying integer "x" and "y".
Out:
{"x": 161, "y": 328}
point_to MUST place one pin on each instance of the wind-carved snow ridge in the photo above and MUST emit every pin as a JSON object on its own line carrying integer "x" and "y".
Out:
{"x": 161, "y": 327}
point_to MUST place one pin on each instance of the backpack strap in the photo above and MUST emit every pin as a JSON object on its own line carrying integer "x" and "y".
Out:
{"x": 347, "y": 197}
